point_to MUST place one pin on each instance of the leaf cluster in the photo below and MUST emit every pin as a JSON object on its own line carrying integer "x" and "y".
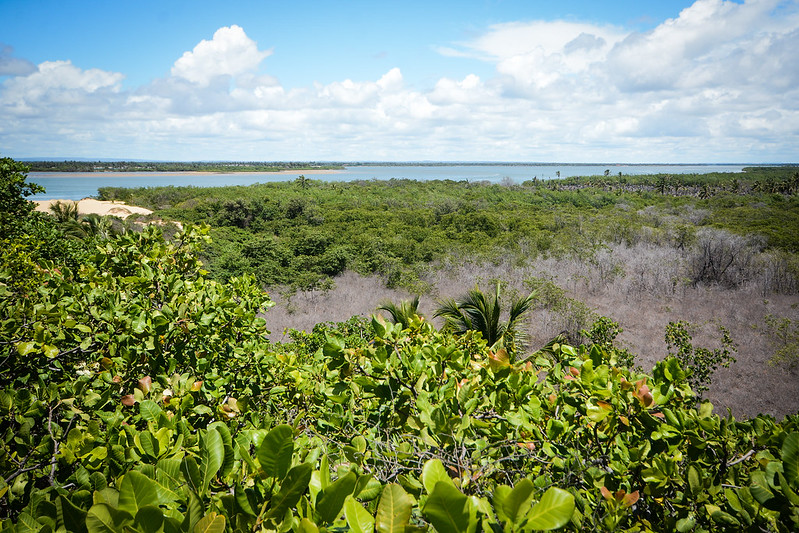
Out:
{"x": 139, "y": 395}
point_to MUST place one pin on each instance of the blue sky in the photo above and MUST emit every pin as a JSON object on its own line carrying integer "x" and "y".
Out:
{"x": 644, "y": 81}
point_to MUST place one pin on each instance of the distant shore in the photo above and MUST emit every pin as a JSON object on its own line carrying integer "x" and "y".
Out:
{"x": 129, "y": 174}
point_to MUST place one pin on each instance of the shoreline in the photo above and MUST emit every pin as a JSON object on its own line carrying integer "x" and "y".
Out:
{"x": 179, "y": 173}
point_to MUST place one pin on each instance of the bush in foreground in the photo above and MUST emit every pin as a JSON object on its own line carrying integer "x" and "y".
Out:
{"x": 139, "y": 395}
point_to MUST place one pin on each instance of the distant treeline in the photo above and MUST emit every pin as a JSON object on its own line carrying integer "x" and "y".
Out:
{"x": 781, "y": 180}
{"x": 139, "y": 166}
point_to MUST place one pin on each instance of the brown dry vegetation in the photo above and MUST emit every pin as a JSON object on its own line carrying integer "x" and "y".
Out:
{"x": 643, "y": 287}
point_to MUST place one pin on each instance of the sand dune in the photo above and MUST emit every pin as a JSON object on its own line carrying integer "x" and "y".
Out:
{"x": 88, "y": 205}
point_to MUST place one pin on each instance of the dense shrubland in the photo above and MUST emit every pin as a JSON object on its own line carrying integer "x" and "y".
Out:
{"x": 645, "y": 250}
{"x": 301, "y": 234}
{"x": 139, "y": 394}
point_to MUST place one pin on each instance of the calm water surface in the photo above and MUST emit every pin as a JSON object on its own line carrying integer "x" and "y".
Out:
{"x": 77, "y": 185}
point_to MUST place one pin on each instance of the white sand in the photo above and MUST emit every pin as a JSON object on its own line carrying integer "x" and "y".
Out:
{"x": 88, "y": 205}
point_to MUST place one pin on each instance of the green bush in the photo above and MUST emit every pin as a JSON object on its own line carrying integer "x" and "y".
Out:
{"x": 701, "y": 362}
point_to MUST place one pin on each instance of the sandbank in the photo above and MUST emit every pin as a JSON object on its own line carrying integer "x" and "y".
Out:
{"x": 99, "y": 207}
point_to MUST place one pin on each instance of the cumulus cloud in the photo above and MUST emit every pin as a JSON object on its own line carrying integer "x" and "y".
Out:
{"x": 230, "y": 53}
{"x": 60, "y": 88}
{"x": 13, "y": 66}
{"x": 716, "y": 83}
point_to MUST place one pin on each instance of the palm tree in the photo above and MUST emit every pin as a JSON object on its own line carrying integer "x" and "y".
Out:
{"x": 88, "y": 226}
{"x": 65, "y": 211}
{"x": 402, "y": 313}
{"x": 98, "y": 226}
{"x": 480, "y": 312}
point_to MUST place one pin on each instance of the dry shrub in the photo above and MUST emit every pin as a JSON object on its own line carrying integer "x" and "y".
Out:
{"x": 642, "y": 287}
{"x": 724, "y": 258}
{"x": 351, "y": 294}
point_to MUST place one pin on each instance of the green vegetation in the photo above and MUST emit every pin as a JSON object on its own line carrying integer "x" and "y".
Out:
{"x": 139, "y": 394}
{"x": 784, "y": 335}
{"x": 175, "y": 166}
{"x": 402, "y": 313}
{"x": 302, "y": 234}
{"x": 702, "y": 362}
{"x": 477, "y": 311}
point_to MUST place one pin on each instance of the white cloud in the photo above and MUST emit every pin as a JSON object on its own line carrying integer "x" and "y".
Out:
{"x": 720, "y": 82}
{"x": 230, "y": 53}
{"x": 61, "y": 91}
{"x": 13, "y": 66}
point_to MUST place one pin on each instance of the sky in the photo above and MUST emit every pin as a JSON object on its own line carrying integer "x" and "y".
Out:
{"x": 646, "y": 81}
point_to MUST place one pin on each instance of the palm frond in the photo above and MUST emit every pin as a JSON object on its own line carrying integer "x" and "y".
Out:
{"x": 454, "y": 319}
{"x": 481, "y": 312}
{"x": 64, "y": 211}
{"x": 402, "y": 313}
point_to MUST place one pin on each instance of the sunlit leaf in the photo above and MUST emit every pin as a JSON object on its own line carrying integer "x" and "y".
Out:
{"x": 393, "y": 511}
{"x": 358, "y": 519}
{"x": 553, "y": 511}
{"x": 446, "y": 508}
{"x": 275, "y": 452}
{"x": 331, "y": 499}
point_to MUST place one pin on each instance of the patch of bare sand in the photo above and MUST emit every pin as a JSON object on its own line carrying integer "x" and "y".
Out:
{"x": 98, "y": 207}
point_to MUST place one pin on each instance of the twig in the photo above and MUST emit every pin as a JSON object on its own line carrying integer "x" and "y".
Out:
{"x": 741, "y": 459}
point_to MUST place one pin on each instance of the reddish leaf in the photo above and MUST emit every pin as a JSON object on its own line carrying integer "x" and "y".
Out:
{"x": 145, "y": 384}
{"x": 128, "y": 400}
{"x": 630, "y": 499}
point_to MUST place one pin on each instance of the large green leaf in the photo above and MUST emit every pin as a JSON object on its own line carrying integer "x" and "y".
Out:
{"x": 393, "y": 511}
{"x": 227, "y": 441}
{"x": 150, "y": 519}
{"x": 501, "y": 492}
{"x": 194, "y": 513}
{"x": 102, "y": 518}
{"x": 433, "y": 472}
{"x": 516, "y": 503}
{"x": 210, "y": 523}
{"x": 306, "y": 526}
{"x": 447, "y": 508}
{"x": 291, "y": 490}
{"x": 168, "y": 473}
{"x": 790, "y": 458}
{"x": 694, "y": 483}
{"x": 358, "y": 519}
{"x": 332, "y": 498}
{"x": 212, "y": 455}
{"x": 27, "y": 524}
{"x": 553, "y": 511}
{"x": 148, "y": 444}
{"x": 787, "y": 491}
{"x": 137, "y": 491}
{"x": 276, "y": 450}
{"x": 191, "y": 473}
{"x": 70, "y": 517}
{"x": 149, "y": 410}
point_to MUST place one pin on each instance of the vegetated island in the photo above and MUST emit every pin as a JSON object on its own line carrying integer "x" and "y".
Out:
{"x": 177, "y": 166}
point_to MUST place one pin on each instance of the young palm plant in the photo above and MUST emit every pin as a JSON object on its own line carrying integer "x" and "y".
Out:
{"x": 402, "y": 313}
{"x": 478, "y": 311}
{"x": 64, "y": 211}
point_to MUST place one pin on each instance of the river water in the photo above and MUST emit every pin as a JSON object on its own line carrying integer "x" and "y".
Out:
{"x": 78, "y": 185}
